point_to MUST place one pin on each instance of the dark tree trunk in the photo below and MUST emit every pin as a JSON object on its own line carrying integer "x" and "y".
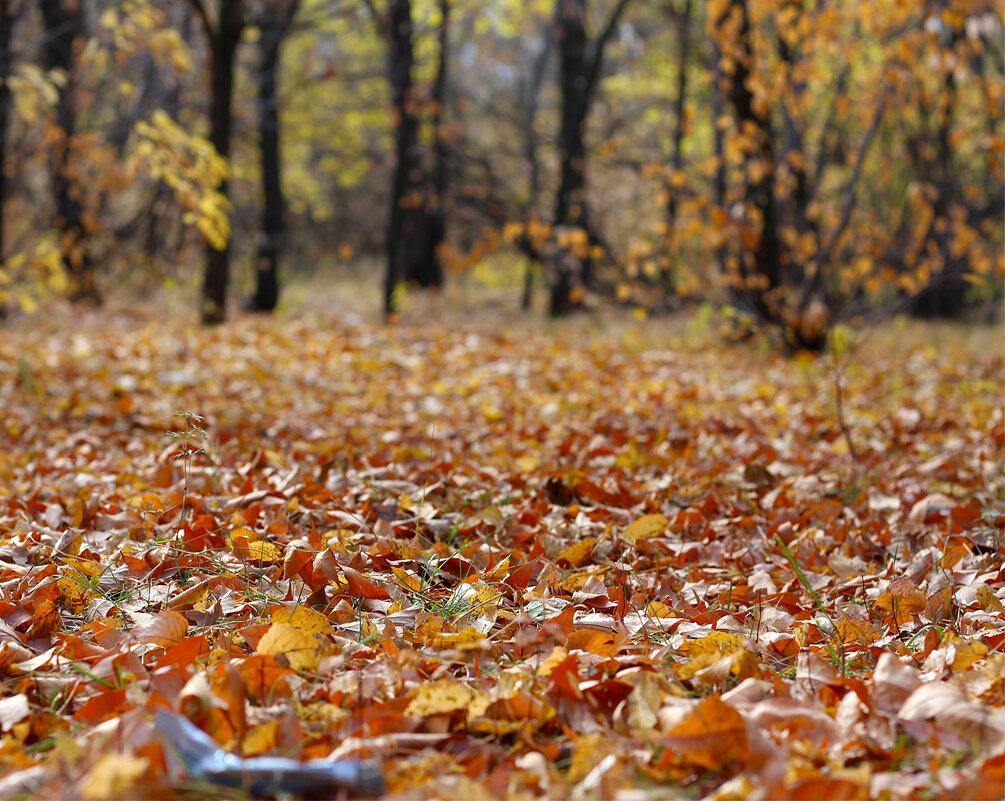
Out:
{"x": 946, "y": 294}
{"x": 401, "y": 225}
{"x": 8, "y": 14}
{"x": 580, "y": 63}
{"x": 274, "y": 26}
{"x": 761, "y": 267}
{"x": 64, "y": 27}
{"x": 570, "y": 204}
{"x": 223, "y": 48}
{"x": 424, "y": 265}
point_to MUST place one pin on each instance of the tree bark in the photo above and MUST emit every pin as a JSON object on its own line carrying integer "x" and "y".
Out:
{"x": 580, "y": 64}
{"x": 8, "y": 14}
{"x": 407, "y": 171}
{"x": 761, "y": 265}
{"x": 946, "y": 294}
{"x": 64, "y": 27}
{"x": 424, "y": 263}
{"x": 224, "y": 38}
{"x": 274, "y": 26}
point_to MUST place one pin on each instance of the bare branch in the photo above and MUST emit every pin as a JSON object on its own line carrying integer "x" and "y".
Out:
{"x": 811, "y": 285}
{"x": 600, "y": 43}
{"x": 199, "y": 7}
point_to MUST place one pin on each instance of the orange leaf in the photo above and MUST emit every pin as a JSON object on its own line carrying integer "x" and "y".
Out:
{"x": 597, "y": 642}
{"x": 45, "y": 621}
{"x": 362, "y": 587}
{"x": 713, "y": 736}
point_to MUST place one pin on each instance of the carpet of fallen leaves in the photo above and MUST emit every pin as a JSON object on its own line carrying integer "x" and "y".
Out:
{"x": 549, "y": 562}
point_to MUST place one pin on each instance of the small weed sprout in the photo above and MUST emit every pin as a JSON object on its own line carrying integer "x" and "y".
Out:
{"x": 187, "y": 438}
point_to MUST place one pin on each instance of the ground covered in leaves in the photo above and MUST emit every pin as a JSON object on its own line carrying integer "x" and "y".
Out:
{"x": 625, "y": 563}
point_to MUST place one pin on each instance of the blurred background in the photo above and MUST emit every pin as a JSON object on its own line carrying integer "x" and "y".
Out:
{"x": 801, "y": 161}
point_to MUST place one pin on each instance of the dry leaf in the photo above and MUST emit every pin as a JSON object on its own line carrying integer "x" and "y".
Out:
{"x": 645, "y": 527}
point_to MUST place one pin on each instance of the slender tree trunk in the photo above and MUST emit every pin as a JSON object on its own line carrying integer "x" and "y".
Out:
{"x": 531, "y": 99}
{"x": 568, "y": 271}
{"x": 225, "y": 39}
{"x": 719, "y": 148}
{"x": 405, "y": 180}
{"x": 677, "y": 162}
{"x": 274, "y": 27}
{"x": 64, "y": 27}
{"x": 7, "y": 17}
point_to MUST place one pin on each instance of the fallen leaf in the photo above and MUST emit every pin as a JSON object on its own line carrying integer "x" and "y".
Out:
{"x": 282, "y": 639}
{"x": 114, "y": 776}
{"x": 713, "y": 736}
{"x": 645, "y": 527}
{"x": 164, "y": 629}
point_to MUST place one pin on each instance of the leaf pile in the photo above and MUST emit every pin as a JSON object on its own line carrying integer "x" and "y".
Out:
{"x": 507, "y": 564}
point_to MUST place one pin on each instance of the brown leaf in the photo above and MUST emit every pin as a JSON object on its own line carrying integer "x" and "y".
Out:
{"x": 164, "y": 629}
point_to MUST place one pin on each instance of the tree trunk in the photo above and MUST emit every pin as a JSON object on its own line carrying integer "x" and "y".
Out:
{"x": 401, "y": 228}
{"x": 64, "y": 27}
{"x": 425, "y": 263}
{"x": 223, "y": 47}
{"x": 719, "y": 148}
{"x": 677, "y": 162}
{"x": 530, "y": 101}
{"x": 7, "y": 17}
{"x": 580, "y": 62}
{"x": 761, "y": 265}
{"x": 274, "y": 26}
{"x": 946, "y": 294}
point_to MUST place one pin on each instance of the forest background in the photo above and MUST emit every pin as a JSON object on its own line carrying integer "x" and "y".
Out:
{"x": 803, "y": 162}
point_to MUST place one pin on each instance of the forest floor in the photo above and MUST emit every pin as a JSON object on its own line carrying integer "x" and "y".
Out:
{"x": 611, "y": 559}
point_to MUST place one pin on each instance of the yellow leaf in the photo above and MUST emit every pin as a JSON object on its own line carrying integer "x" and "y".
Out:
{"x": 576, "y": 554}
{"x": 304, "y": 619}
{"x": 439, "y": 698}
{"x": 988, "y": 600}
{"x": 301, "y": 650}
{"x": 261, "y": 739}
{"x": 367, "y": 629}
{"x": 707, "y": 651}
{"x": 76, "y": 595}
{"x": 555, "y": 658}
{"x": 645, "y": 527}
{"x": 968, "y": 652}
{"x": 659, "y": 609}
{"x": 467, "y": 639}
{"x": 528, "y": 463}
{"x": 114, "y": 776}
{"x": 587, "y": 754}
